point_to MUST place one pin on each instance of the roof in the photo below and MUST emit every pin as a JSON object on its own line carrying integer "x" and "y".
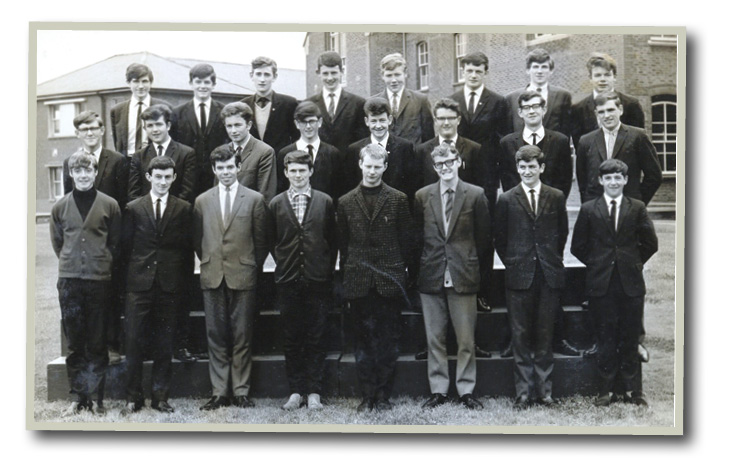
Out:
{"x": 169, "y": 73}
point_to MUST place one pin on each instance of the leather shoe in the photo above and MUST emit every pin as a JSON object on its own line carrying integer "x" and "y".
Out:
{"x": 521, "y": 402}
{"x": 566, "y": 349}
{"x": 99, "y": 408}
{"x": 546, "y": 401}
{"x": 114, "y": 357}
{"x": 436, "y": 399}
{"x": 507, "y": 351}
{"x": 215, "y": 402}
{"x": 591, "y": 352}
{"x": 184, "y": 356}
{"x": 479, "y": 353}
{"x": 162, "y": 406}
{"x": 643, "y": 353}
{"x": 365, "y": 405}
{"x": 638, "y": 400}
{"x": 470, "y": 402}
{"x": 603, "y": 400}
{"x": 482, "y": 304}
{"x": 421, "y": 355}
{"x": 383, "y": 404}
{"x": 131, "y": 407}
{"x": 242, "y": 401}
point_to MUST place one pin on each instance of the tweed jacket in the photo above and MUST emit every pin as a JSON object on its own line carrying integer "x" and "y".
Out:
{"x": 401, "y": 163}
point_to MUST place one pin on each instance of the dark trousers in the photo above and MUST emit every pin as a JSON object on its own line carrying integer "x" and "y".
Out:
{"x": 304, "y": 306}
{"x": 116, "y": 309}
{"x": 377, "y": 329}
{"x": 618, "y": 324}
{"x": 151, "y": 317}
{"x": 84, "y": 306}
{"x": 531, "y": 314}
{"x": 182, "y": 329}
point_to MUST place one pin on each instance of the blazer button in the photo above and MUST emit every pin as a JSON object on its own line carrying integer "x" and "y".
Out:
{"x": 534, "y": 258}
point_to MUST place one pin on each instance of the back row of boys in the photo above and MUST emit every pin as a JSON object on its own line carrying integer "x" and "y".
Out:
{"x": 335, "y": 116}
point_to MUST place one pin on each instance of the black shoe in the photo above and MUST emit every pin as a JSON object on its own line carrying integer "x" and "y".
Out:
{"x": 566, "y": 349}
{"x": 184, "y": 356}
{"x": 591, "y": 352}
{"x": 131, "y": 407}
{"x": 99, "y": 408}
{"x": 436, "y": 399}
{"x": 620, "y": 398}
{"x": 470, "y": 402}
{"x": 479, "y": 353}
{"x": 382, "y": 404}
{"x": 421, "y": 355}
{"x": 215, "y": 402}
{"x": 482, "y": 305}
{"x": 507, "y": 351}
{"x": 201, "y": 356}
{"x": 603, "y": 400}
{"x": 242, "y": 401}
{"x": 546, "y": 401}
{"x": 643, "y": 353}
{"x": 365, "y": 405}
{"x": 638, "y": 400}
{"x": 521, "y": 402}
{"x": 162, "y": 406}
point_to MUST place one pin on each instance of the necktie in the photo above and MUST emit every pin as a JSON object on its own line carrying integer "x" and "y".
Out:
{"x": 262, "y": 102}
{"x": 610, "y": 142}
{"x": 449, "y": 204}
{"x": 395, "y": 104}
{"x": 538, "y": 89}
{"x": 310, "y": 150}
{"x": 613, "y": 214}
{"x": 471, "y": 102}
{"x": 160, "y": 150}
{"x": 158, "y": 211}
{"x": 203, "y": 119}
{"x": 534, "y": 138}
{"x": 331, "y": 107}
{"x": 138, "y": 130}
{"x": 533, "y": 202}
{"x": 227, "y": 206}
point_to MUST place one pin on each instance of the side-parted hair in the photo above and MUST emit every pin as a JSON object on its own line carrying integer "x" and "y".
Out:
{"x": 391, "y": 61}
{"x": 539, "y": 56}
{"x": 446, "y": 103}
{"x": 329, "y": 59}
{"x": 298, "y": 157}
{"x": 374, "y": 151}
{"x": 527, "y": 96}
{"x": 160, "y": 163}
{"x": 606, "y": 97}
{"x": 602, "y": 60}
{"x": 82, "y": 159}
{"x": 263, "y": 61}
{"x": 87, "y": 117}
{"x": 376, "y": 105}
{"x": 202, "y": 71}
{"x": 237, "y": 109}
{"x": 613, "y": 166}
{"x": 223, "y": 154}
{"x": 307, "y": 109}
{"x": 444, "y": 150}
{"x": 137, "y": 71}
{"x": 156, "y": 111}
{"x": 528, "y": 153}
{"x": 476, "y": 59}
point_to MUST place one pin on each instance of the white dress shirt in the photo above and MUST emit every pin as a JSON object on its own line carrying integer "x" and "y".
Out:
{"x": 527, "y": 134}
{"x": 537, "y": 195}
{"x": 618, "y": 200}
{"x": 222, "y": 190}
{"x": 132, "y": 123}
{"x": 326, "y": 96}
{"x": 163, "y": 204}
{"x": 302, "y": 146}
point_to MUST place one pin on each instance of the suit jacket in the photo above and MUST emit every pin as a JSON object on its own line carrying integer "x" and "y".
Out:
{"x": 258, "y": 169}
{"x": 235, "y": 250}
{"x": 327, "y": 176}
{"x": 557, "y": 117}
{"x": 153, "y": 252}
{"x": 632, "y": 147}
{"x": 605, "y": 249}
{"x": 401, "y": 162}
{"x": 348, "y": 124}
{"x": 583, "y": 115}
{"x": 112, "y": 176}
{"x": 413, "y": 121}
{"x": 186, "y": 170}
{"x": 558, "y": 161}
{"x": 120, "y": 120}
{"x": 522, "y": 238}
{"x": 374, "y": 249}
{"x": 280, "y": 128}
{"x": 464, "y": 245}
{"x": 186, "y": 130}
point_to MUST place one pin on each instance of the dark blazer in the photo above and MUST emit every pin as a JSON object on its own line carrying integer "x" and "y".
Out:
{"x": 186, "y": 130}
{"x": 583, "y": 115}
{"x": 280, "y": 128}
{"x": 401, "y": 162}
{"x": 604, "y": 249}
{"x": 414, "y": 121}
{"x": 160, "y": 253}
{"x": 306, "y": 251}
{"x": 634, "y": 148}
{"x": 186, "y": 170}
{"x": 112, "y": 177}
{"x": 327, "y": 176}
{"x": 120, "y": 119}
{"x": 348, "y": 124}
{"x": 522, "y": 238}
{"x": 558, "y": 161}
{"x": 464, "y": 245}
{"x": 557, "y": 117}
{"x": 374, "y": 250}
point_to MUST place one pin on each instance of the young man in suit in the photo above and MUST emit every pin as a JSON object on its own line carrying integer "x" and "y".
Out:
{"x": 305, "y": 251}
{"x": 411, "y": 110}
{"x": 376, "y": 247}
{"x": 231, "y": 241}
{"x": 157, "y": 246}
{"x": 127, "y": 131}
{"x": 342, "y": 111}
{"x": 540, "y": 67}
{"x": 531, "y": 227}
{"x": 85, "y": 229}
{"x": 602, "y": 71}
{"x": 614, "y": 237}
{"x": 273, "y": 113}
{"x": 258, "y": 162}
{"x": 198, "y": 124}
{"x": 327, "y": 160}
{"x": 401, "y": 157}
{"x": 453, "y": 233}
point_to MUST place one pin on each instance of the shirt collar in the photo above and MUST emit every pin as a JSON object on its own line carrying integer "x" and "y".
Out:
{"x": 326, "y": 95}
{"x": 198, "y": 102}
{"x": 527, "y": 134}
{"x": 442, "y": 190}
{"x": 234, "y": 188}
{"x": 543, "y": 90}
{"x": 155, "y": 197}
{"x": 595, "y": 93}
{"x": 389, "y": 93}
{"x": 96, "y": 153}
{"x": 302, "y": 145}
{"x": 145, "y": 102}
{"x": 243, "y": 145}
{"x": 442, "y": 139}
{"x": 164, "y": 145}
{"x": 384, "y": 142}
{"x": 536, "y": 188}
{"x": 467, "y": 94}
{"x": 608, "y": 200}
{"x": 293, "y": 192}
{"x": 268, "y": 97}
{"x": 613, "y": 132}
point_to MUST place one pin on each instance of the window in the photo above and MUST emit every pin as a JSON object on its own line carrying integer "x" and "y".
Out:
{"x": 663, "y": 40}
{"x": 422, "y": 49}
{"x": 61, "y": 116}
{"x": 55, "y": 182}
{"x": 664, "y": 130}
{"x": 459, "y": 53}
{"x": 343, "y": 80}
{"x": 332, "y": 41}
{"x": 535, "y": 39}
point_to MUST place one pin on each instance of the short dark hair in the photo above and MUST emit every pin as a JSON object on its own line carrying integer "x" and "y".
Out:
{"x": 137, "y": 71}
{"x": 87, "y": 117}
{"x": 263, "y": 61}
{"x": 237, "y": 109}
{"x": 528, "y": 153}
{"x": 82, "y": 159}
{"x": 476, "y": 59}
{"x": 528, "y": 95}
{"x": 298, "y": 157}
{"x": 329, "y": 59}
{"x": 376, "y": 105}
{"x": 307, "y": 109}
{"x": 202, "y": 71}
{"x": 603, "y": 60}
{"x": 446, "y": 103}
{"x": 391, "y": 61}
{"x": 443, "y": 150}
{"x": 156, "y": 111}
{"x": 539, "y": 56}
{"x": 223, "y": 154}
{"x": 613, "y": 166}
{"x": 160, "y": 163}
{"x": 603, "y": 98}
{"x": 375, "y": 151}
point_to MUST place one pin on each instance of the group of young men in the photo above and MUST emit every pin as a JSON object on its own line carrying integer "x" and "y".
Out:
{"x": 405, "y": 194}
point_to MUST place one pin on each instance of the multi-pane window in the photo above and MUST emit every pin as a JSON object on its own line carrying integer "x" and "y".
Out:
{"x": 664, "y": 130}
{"x": 55, "y": 182}
{"x": 459, "y": 53}
{"x": 422, "y": 49}
{"x": 332, "y": 41}
{"x": 663, "y": 40}
{"x": 60, "y": 118}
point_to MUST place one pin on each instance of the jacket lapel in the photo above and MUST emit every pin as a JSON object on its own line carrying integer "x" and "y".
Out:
{"x": 436, "y": 207}
{"x": 550, "y": 104}
{"x": 524, "y": 200}
{"x": 481, "y": 104}
{"x": 384, "y": 192}
{"x": 403, "y": 102}
{"x": 169, "y": 210}
{"x": 216, "y": 204}
{"x": 361, "y": 202}
{"x": 149, "y": 210}
{"x": 600, "y": 143}
{"x": 604, "y": 214}
{"x": 620, "y": 139}
{"x": 344, "y": 100}
{"x": 246, "y": 151}
{"x": 623, "y": 211}
{"x": 190, "y": 110}
{"x": 103, "y": 160}
{"x": 237, "y": 201}
{"x": 459, "y": 198}
{"x": 212, "y": 117}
